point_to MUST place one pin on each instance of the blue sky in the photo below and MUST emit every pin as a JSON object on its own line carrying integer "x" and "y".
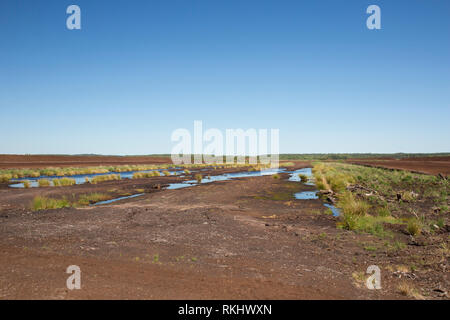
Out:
{"x": 138, "y": 70}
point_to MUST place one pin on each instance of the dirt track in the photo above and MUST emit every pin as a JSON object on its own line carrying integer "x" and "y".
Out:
{"x": 428, "y": 165}
{"x": 43, "y": 161}
{"x": 225, "y": 240}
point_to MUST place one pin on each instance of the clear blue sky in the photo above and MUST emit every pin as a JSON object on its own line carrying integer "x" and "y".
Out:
{"x": 137, "y": 70}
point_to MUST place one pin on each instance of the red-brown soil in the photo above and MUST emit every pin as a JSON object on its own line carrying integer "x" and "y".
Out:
{"x": 42, "y": 161}
{"x": 428, "y": 165}
{"x": 239, "y": 239}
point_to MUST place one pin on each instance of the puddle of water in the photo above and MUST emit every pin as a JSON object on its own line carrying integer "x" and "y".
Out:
{"x": 306, "y": 195}
{"x": 307, "y": 172}
{"x": 117, "y": 199}
{"x": 225, "y": 177}
{"x": 173, "y": 186}
{"x": 335, "y": 210}
{"x": 294, "y": 174}
{"x": 310, "y": 194}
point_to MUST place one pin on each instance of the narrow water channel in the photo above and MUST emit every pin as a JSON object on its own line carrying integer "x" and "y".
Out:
{"x": 117, "y": 199}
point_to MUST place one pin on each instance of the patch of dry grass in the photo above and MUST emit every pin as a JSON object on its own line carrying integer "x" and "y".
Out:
{"x": 407, "y": 290}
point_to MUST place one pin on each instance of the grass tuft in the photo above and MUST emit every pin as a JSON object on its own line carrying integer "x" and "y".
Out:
{"x": 407, "y": 290}
{"x": 303, "y": 178}
{"x": 44, "y": 182}
{"x": 87, "y": 199}
{"x": 414, "y": 226}
{"x": 350, "y": 205}
{"x": 107, "y": 177}
{"x": 43, "y": 203}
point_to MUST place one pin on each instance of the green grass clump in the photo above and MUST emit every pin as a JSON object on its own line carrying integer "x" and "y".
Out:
{"x": 140, "y": 175}
{"x": 186, "y": 171}
{"x": 407, "y": 196}
{"x": 303, "y": 177}
{"x": 276, "y": 176}
{"x": 107, "y": 177}
{"x": 350, "y": 205}
{"x": 166, "y": 173}
{"x": 64, "y": 182}
{"x": 34, "y": 174}
{"x": 44, "y": 182}
{"x": 4, "y": 178}
{"x": 43, "y": 203}
{"x": 383, "y": 211}
{"x": 414, "y": 226}
{"x": 368, "y": 224}
{"x": 26, "y": 184}
{"x": 198, "y": 177}
{"x": 87, "y": 199}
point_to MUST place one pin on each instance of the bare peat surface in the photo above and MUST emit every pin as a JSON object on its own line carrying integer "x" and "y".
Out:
{"x": 246, "y": 238}
{"x": 41, "y": 161}
{"x": 428, "y": 165}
